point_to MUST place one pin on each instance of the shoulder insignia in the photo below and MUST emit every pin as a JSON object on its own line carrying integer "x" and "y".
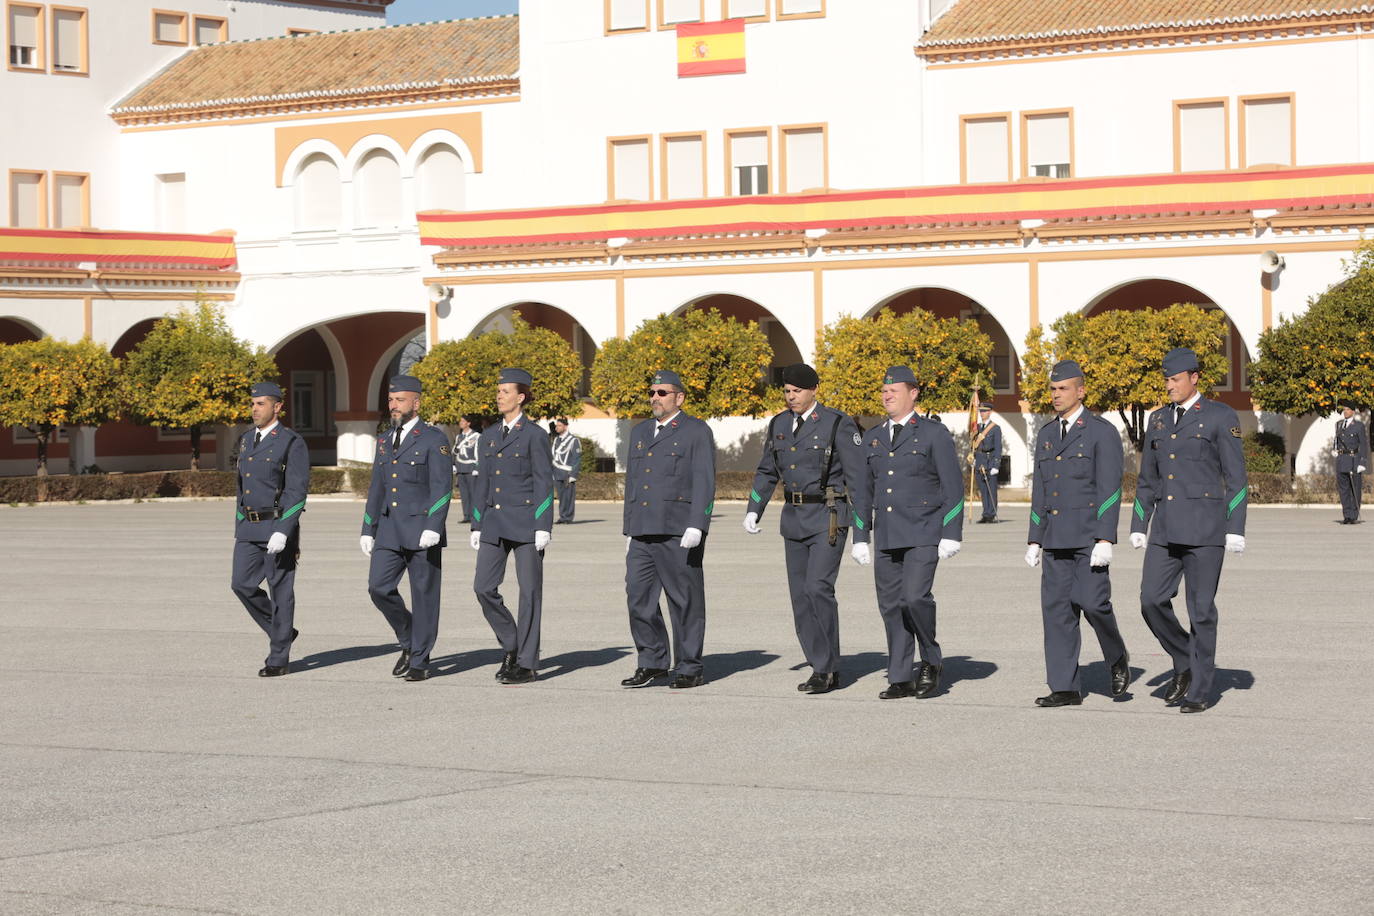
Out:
{"x": 443, "y": 449}
{"x": 1080, "y": 422}
{"x": 873, "y": 444}
{"x": 1235, "y": 431}
{"x": 780, "y": 435}
{"x": 858, "y": 440}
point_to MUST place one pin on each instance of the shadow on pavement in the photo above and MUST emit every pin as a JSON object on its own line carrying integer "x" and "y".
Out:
{"x": 1097, "y": 678}
{"x": 568, "y": 662}
{"x": 1224, "y": 680}
{"x": 854, "y": 667}
{"x": 722, "y": 665}
{"x": 339, "y": 656}
{"x": 459, "y": 662}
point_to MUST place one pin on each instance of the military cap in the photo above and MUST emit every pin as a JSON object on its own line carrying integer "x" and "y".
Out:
{"x": 800, "y": 375}
{"x": 896, "y": 374}
{"x": 266, "y": 390}
{"x": 1065, "y": 369}
{"x": 405, "y": 383}
{"x": 1347, "y": 404}
{"x": 985, "y": 408}
{"x": 667, "y": 377}
{"x": 515, "y": 377}
{"x": 561, "y": 420}
{"x": 1179, "y": 359}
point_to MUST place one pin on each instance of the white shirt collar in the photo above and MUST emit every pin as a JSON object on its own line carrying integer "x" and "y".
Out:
{"x": 1074, "y": 416}
{"x": 511, "y": 424}
{"x": 666, "y": 420}
{"x": 407, "y": 427}
{"x": 1188, "y": 404}
{"x": 806, "y": 416}
{"x": 267, "y": 429}
{"x": 902, "y": 422}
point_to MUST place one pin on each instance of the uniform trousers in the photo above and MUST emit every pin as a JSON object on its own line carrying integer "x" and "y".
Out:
{"x": 812, "y": 565}
{"x": 275, "y": 614}
{"x": 987, "y": 488}
{"x": 658, "y": 562}
{"x": 567, "y": 499}
{"x": 1069, "y": 584}
{"x": 1350, "y": 486}
{"x": 465, "y": 494}
{"x": 415, "y": 630}
{"x": 518, "y": 635}
{"x": 904, "y": 578}
{"x": 1200, "y": 568}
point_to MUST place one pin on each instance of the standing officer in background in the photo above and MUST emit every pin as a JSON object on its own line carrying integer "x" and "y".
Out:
{"x": 670, "y": 489}
{"x": 273, "y": 477}
{"x": 511, "y": 513}
{"x": 1192, "y": 483}
{"x": 465, "y": 460}
{"x": 986, "y": 457}
{"x": 403, "y": 525}
{"x": 1075, "y": 505}
{"x": 1352, "y": 460}
{"x": 567, "y": 464}
{"x": 915, "y": 491}
{"x": 815, "y": 451}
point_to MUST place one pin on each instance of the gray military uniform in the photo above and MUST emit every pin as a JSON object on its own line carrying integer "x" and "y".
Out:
{"x": 567, "y": 461}
{"x": 465, "y": 467}
{"x": 987, "y": 459}
{"x": 1352, "y": 453}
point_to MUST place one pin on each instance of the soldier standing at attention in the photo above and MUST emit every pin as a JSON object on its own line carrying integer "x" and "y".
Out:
{"x": 273, "y": 477}
{"x": 987, "y": 461}
{"x": 465, "y": 460}
{"x": 670, "y": 489}
{"x": 403, "y": 526}
{"x": 915, "y": 489}
{"x": 816, "y": 452}
{"x": 1075, "y": 505}
{"x": 1352, "y": 460}
{"x": 1193, "y": 485}
{"x": 567, "y": 464}
{"x": 511, "y": 513}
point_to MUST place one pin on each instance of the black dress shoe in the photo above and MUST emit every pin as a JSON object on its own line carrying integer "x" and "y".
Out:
{"x": 1191, "y": 706}
{"x": 294, "y": 633}
{"x": 507, "y": 664}
{"x": 684, "y": 681}
{"x": 272, "y": 670}
{"x": 928, "y": 681}
{"x": 1061, "y": 698}
{"x": 643, "y": 677}
{"x": 1178, "y": 686}
{"x": 518, "y": 675}
{"x": 898, "y": 691}
{"x": 1121, "y": 674}
{"x": 417, "y": 674}
{"x": 820, "y": 683}
{"x": 402, "y": 664}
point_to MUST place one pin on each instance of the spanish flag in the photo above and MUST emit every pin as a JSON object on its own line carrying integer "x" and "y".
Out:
{"x": 706, "y": 48}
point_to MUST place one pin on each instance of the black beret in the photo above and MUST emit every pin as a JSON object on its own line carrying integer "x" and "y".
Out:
{"x": 800, "y": 375}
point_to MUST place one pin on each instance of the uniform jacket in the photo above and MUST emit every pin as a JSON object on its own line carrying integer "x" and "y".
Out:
{"x": 411, "y": 488}
{"x": 798, "y": 460}
{"x": 465, "y": 452}
{"x": 1076, "y": 490}
{"x": 988, "y": 455}
{"x": 670, "y": 484}
{"x": 275, "y": 475}
{"x": 513, "y": 490}
{"x": 915, "y": 490}
{"x": 567, "y": 456}
{"x": 1352, "y": 446}
{"x": 1192, "y": 477}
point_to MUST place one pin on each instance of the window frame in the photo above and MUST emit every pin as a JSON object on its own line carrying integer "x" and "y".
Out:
{"x": 661, "y": 26}
{"x": 1242, "y": 101}
{"x": 611, "y": 142}
{"x": 292, "y": 32}
{"x": 730, "y": 159}
{"x": 40, "y": 36}
{"x": 85, "y": 46}
{"x": 783, "y": 131}
{"x": 1179, "y": 105}
{"x": 185, "y": 27}
{"x": 197, "y": 19}
{"x": 663, "y": 161}
{"x": 1025, "y": 151}
{"x": 1004, "y": 116}
{"x": 44, "y": 217}
{"x": 767, "y": 12}
{"x": 606, "y": 22}
{"x": 85, "y": 197}
{"x": 780, "y": 16}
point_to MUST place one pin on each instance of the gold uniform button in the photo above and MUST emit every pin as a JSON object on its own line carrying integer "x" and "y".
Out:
{"x": 1173, "y": 435}
{"x": 498, "y": 470}
{"x": 393, "y": 504}
{"x": 794, "y": 448}
{"x": 889, "y": 489}
{"x": 246, "y": 492}
{"x": 1058, "y": 457}
{"x": 250, "y": 457}
{"x": 1170, "y": 496}
{"x": 889, "y": 508}
{"x": 248, "y": 474}
{"x": 891, "y": 454}
{"x": 650, "y": 455}
{"x": 791, "y": 467}
{"x": 644, "y": 504}
{"x": 499, "y": 455}
{"x": 646, "y": 486}
{"x": 497, "y": 506}
{"x": 1055, "y": 493}
{"x": 393, "y": 473}
{"x": 889, "y": 473}
{"x": 498, "y": 489}
{"x": 1171, "y": 476}
{"x": 393, "y": 489}
{"x": 1054, "y": 512}
{"x": 1171, "y": 454}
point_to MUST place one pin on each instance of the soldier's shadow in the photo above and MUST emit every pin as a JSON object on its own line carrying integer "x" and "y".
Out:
{"x": 723, "y": 664}
{"x": 568, "y": 662}
{"x": 339, "y": 656}
{"x": 1097, "y": 678}
{"x": 459, "y": 662}
{"x": 1226, "y": 679}
{"x": 964, "y": 668}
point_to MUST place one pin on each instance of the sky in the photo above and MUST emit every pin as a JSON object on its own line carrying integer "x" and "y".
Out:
{"x": 433, "y": 10}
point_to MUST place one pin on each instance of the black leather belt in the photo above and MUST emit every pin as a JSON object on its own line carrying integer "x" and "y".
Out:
{"x": 261, "y": 515}
{"x": 798, "y": 499}
{"x": 1342, "y": 452}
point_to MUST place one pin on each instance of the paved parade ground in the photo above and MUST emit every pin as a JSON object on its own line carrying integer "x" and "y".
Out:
{"x": 145, "y": 768}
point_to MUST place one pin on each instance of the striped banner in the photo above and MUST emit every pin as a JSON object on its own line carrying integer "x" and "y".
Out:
{"x": 89, "y": 246}
{"x": 707, "y": 48}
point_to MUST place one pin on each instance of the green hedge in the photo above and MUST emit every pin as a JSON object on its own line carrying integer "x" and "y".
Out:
{"x": 63, "y": 487}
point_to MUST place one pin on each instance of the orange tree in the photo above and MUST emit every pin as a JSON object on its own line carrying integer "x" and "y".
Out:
{"x": 191, "y": 372}
{"x": 723, "y": 364}
{"x": 46, "y": 384}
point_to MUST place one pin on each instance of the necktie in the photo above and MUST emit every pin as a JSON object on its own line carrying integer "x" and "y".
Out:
{"x": 396, "y": 441}
{"x": 505, "y": 430}
{"x": 658, "y": 428}
{"x": 891, "y": 432}
{"x": 1063, "y": 430}
{"x": 796, "y": 423}
{"x": 257, "y": 437}
{"x": 1178, "y": 415}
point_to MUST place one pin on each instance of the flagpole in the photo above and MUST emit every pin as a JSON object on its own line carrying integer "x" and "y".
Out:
{"x": 972, "y": 425}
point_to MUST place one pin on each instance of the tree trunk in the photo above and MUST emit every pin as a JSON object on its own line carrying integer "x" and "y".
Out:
{"x": 42, "y": 434}
{"x": 195, "y": 448}
{"x": 1135, "y": 424}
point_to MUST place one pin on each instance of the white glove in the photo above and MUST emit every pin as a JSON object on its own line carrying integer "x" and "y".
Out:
{"x": 751, "y": 522}
{"x": 992, "y": 471}
{"x": 1235, "y": 543}
{"x": 276, "y": 543}
{"x": 366, "y": 542}
{"x": 1359, "y": 470}
{"x": 1033, "y": 555}
{"x": 541, "y": 539}
{"x": 428, "y": 539}
{"x": 1137, "y": 539}
{"x": 627, "y": 545}
{"x": 572, "y": 480}
{"x": 860, "y": 554}
{"x": 691, "y": 538}
{"x": 947, "y": 548}
{"x": 1102, "y": 554}
{"x": 475, "y": 540}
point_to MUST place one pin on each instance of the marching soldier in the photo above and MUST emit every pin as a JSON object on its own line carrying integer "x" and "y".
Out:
{"x": 816, "y": 452}
{"x": 465, "y": 460}
{"x": 273, "y": 477}
{"x": 986, "y": 457}
{"x": 1075, "y": 505}
{"x": 670, "y": 489}
{"x": 915, "y": 491}
{"x": 403, "y": 526}
{"x": 511, "y": 513}
{"x": 1352, "y": 459}
{"x": 567, "y": 464}
{"x": 1193, "y": 486}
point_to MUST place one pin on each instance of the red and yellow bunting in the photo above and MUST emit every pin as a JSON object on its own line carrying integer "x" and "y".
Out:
{"x": 707, "y": 48}
{"x": 90, "y": 246}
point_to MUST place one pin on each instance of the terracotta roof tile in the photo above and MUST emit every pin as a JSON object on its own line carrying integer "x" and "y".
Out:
{"x": 334, "y": 65}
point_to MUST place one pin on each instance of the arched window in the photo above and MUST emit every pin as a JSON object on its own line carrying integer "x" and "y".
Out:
{"x": 377, "y": 188}
{"x": 318, "y": 196}
{"x": 440, "y": 178}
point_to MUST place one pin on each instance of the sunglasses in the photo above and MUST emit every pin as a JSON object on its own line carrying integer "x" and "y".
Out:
{"x": 660, "y": 392}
